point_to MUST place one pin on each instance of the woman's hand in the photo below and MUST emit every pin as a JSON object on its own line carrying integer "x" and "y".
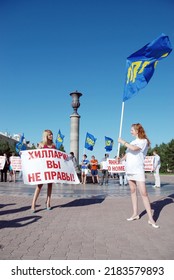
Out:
{"x": 121, "y": 141}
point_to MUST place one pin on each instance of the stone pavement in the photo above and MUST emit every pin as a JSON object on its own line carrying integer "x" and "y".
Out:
{"x": 86, "y": 222}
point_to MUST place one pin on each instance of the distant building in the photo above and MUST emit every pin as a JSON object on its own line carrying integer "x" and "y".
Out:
{"x": 12, "y": 140}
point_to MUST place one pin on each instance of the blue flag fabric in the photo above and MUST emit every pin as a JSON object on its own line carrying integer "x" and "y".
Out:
{"x": 108, "y": 144}
{"x": 140, "y": 65}
{"x": 59, "y": 139}
{"x": 90, "y": 141}
{"x": 20, "y": 146}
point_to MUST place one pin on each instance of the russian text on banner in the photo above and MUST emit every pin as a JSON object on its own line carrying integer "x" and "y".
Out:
{"x": 115, "y": 167}
{"x": 47, "y": 166}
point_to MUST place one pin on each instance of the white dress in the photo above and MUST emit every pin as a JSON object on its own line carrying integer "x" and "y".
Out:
{"x": 135, "y": 160}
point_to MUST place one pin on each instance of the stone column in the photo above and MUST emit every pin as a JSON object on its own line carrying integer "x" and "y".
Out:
{"x": 75, "y": 123}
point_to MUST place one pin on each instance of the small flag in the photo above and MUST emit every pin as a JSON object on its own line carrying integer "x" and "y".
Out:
{"x": 141, "y": 65}
{"x": 20, "y": 146}
{"x": 90, "y": 141}
{"x": 108, "y": 144}
{"x": 59, "y": 139}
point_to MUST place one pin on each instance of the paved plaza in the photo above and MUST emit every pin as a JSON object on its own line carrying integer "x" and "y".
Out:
{"x": 86, "y": 222}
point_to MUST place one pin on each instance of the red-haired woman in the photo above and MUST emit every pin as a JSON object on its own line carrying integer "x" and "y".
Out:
{"x": 135, "y": 155}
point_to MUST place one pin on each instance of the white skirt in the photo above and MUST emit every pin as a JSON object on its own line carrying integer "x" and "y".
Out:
{"x": 85, "y": 171}
{"x": 136, "y": 177}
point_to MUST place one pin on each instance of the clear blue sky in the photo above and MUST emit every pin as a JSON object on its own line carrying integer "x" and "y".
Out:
{"x": 49, "y": 49}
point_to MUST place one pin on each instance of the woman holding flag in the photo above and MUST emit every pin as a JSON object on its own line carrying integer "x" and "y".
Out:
{"x": 135, "y": 154}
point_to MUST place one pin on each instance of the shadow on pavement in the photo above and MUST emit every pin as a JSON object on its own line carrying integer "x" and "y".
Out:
{"x": 5, "y": 205}
{"x": 158, "y": 205}
{"x": 15, "y": 210}
{"x": 20, "y": 222}
{"x": 84, "y": 202}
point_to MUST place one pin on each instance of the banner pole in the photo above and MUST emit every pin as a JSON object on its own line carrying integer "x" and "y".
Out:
{"x": 120, "y": 131}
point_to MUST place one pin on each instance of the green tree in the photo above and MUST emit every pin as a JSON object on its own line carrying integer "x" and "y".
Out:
{"x": 170, "y": 156}
{"x": 4, "y": 147}
{"x": 166, "y": 153}
{"x": 162, "y": 151}
{"x": 62, "y": 149}
{"x": 122, "y": 150}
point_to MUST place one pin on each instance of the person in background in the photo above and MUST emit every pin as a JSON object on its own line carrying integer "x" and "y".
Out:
{"x": 74, "y": 160}
{"x": 122, "y": 175}
{"x": 47, "y": 143}
{"x": 135, "y": 155}
{"x": 84, "y": 169}
{"x": 104, "y": 169}
{"x": 94, "y": 169}
{"x": 12, "y": 173}
{"x": 157, "y": 165}
{"x": 5, "y": 169}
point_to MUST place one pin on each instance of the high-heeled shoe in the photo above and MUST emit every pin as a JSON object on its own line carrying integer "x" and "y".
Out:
{"x": 133, "y": 218}
{"x": 153, "y": 224}
{"x": 33, "y": 210}
{"x": 47, "y": 207}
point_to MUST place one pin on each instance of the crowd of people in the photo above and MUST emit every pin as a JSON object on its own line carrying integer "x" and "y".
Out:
{"x": 134, "y": 174}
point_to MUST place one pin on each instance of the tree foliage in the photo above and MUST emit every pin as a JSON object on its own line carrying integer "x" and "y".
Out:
{"x": 62, "y": 149}
{"x": 4, "y": 147}
{"x": 166, "y": 153}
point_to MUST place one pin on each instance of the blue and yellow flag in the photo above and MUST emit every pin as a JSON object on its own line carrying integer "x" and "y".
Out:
{"x": 90, "y": 141}
{"x": 140, "y": 65}
{"x": 59, "y": 139}
{"x": 108, "y": 144}
{"x": 20, "y": 146}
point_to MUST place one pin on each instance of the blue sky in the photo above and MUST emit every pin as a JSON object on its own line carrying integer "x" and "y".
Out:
{"x": 49, "y": 49}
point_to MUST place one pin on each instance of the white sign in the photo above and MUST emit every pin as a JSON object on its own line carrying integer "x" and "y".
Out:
{"x": 47, "y": 166}
{"x": 2, "y": 162}
{"x": 148, "y": 163}
{"x": 114, "y": 167}
{"x": 15, "y": 163}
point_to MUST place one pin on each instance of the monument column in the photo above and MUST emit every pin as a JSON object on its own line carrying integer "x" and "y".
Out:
{"x": 75, "y": 122}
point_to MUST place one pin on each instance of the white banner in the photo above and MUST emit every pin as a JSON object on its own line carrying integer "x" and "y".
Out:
{"x": 15, "y": 163}
{"x": 114, "y": 167}
{"x": 47, "y": 166}
{"x": 148, "y": 163}
{"x": 2, "y": 162}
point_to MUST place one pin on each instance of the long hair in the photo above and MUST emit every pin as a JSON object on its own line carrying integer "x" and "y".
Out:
{"x": 45, "y": 136}
{"x": 141, "y": 132}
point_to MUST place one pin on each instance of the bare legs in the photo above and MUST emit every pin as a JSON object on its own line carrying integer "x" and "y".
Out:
{"x": 93, "y": 179}
{"x": 49, "y": 192}
{"x": 83, "y": 178}
{"x": 12, "y": 176}
{"x": 143, "y": 192}
{"x": 36, "y": 194}
{"x": 132, "y": 185}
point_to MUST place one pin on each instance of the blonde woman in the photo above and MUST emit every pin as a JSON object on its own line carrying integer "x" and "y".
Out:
{"x": 135, "y": 154}
{"x": 47, "y": 143}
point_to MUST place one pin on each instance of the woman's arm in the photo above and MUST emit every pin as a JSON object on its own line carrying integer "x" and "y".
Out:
{"x": 129, "y": 146}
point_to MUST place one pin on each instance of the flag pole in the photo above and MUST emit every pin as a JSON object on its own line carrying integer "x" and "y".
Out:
{"x": 120, "y": 131}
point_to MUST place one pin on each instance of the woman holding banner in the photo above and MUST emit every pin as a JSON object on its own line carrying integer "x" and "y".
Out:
{"x": 47, "y": 143}
{"x": 135, "y": 154}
